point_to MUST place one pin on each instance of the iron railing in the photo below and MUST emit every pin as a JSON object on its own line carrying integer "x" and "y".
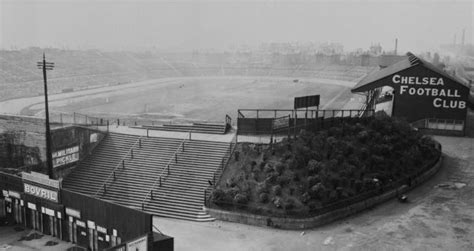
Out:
{"x": 121, "y": 163}
{"x": 165, "y": 168}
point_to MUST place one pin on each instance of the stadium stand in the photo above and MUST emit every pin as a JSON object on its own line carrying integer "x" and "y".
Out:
{"x": 112, "y": 173}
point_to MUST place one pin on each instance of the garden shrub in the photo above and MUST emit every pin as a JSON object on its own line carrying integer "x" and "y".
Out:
{"x": 276, "y": 190}
{"x": 279, "y": 168}
{"x": 263, "y": 197}
{"x": 241, "y": 199}
{"x": 330, "y": 165}
{"x": 277, "y": 201}
{"x": 289, "y": 204}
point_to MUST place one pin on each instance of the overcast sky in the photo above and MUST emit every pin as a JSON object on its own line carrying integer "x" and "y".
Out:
{"x": 418, "y": 25}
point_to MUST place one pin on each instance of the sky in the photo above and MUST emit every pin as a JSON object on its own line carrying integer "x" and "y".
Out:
{"x": 186, "y": 25}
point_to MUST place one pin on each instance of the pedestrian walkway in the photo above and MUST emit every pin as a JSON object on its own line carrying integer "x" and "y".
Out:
{"x": 169, "y": 134}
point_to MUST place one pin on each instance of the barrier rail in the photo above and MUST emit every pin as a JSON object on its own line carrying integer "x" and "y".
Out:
{"x": 220, "y": 169}
{"x": 166, "y": 167}
{"x": 121, "y": 162}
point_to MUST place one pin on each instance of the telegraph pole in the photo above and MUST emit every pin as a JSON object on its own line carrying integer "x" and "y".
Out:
{"x": 47, "y": 66}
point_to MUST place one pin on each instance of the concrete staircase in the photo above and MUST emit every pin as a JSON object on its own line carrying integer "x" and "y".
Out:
{"x": 88, "y": 176}
{"x": 191, "y": 164}
{"x": 181, "y": 194}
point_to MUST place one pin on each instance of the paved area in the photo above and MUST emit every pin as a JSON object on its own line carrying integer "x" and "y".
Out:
{"x": 439, "y": 216}
{"x": 10, "y": 241}
{"x": 168, "y": 134}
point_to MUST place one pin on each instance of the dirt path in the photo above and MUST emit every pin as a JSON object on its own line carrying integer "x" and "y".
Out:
{"x": 436, "y": 218}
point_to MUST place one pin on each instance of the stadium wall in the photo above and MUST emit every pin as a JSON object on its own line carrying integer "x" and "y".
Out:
{"x": 23, "y": 144}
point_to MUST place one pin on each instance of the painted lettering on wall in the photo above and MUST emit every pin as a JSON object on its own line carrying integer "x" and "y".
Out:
{"x": 432, "y": 87}
{"x": 41, "y": 192}
{"x": 66, "y": 156}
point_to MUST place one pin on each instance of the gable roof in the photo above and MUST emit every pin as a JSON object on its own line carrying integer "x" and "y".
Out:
{"x": 369, "y": 82}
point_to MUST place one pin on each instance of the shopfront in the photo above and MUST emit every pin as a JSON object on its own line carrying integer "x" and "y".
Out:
{"x": 43, "y": 210}
{"x": 37, "y": 202}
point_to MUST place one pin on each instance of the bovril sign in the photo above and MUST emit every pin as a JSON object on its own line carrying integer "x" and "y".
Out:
{"x": 432, "y": 87}
{"x": 41, "y": 192}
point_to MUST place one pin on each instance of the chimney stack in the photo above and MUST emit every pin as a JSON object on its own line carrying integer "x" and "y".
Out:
{"x": 396, "y": 45}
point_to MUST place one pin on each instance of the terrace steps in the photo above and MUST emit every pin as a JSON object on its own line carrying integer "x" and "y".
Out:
{"x": 181, "y": 193}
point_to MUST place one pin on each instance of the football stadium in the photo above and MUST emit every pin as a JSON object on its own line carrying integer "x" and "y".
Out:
{"x": 282, "y": 147}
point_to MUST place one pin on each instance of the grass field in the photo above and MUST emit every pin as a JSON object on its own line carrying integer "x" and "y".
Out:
{"x": 186, "y": 100}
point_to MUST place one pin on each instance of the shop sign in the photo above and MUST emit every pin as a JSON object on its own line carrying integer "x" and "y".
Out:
{"x": 60, "y": 215}
{"x": 93, "y": 138}
{"x": 40, "y": 179}
{"x": 8, "y": 199}
{"x": 140, "y": 244}
{"x": 14, "y": 194}
{"x": 66, "y": 156}
{"x": 5, "y": 193}
{"x": 47, "y": 211}
{"x": 41, "y": 192}
{"x": 73, "y": 212}
{"x": 91, "y": 224}
{"x": 31, "y": 206}
{"x": 101, "y": 229}
{"x": 80, "y": 223}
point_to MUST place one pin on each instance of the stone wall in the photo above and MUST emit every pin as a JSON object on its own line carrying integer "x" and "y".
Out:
{"x": 23, "y": 143}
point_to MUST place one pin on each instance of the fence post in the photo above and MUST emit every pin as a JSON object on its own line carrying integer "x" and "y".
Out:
{"x": 160, "y": 180}
{"x": 107, "y": 125}
{"x": 114, "y": 175}
{"x": 140, "y": 143}
{"x": 175, "y": 158}
{"x": 168, "y": 169}
{"x": 105, "y": 188}
{"x": 131, "y": 152}
{"x": 123, "y": 163}
{"x": 205, "y": 197}
{"x": 143, "y": 206}
{"x": 183, "y": 146}
{"x": 151, "y": 194}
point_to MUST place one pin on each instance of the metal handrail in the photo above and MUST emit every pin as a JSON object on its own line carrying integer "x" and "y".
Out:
{"x": 167, "y": 166}
{"x": 121, "y": 162}
{"x": 220, "y": 169}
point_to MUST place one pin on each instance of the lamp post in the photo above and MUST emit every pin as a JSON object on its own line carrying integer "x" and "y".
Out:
{"x": 47, "y": 66}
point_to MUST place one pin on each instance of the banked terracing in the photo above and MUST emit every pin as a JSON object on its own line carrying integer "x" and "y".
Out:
{"x": 163, "y": 176}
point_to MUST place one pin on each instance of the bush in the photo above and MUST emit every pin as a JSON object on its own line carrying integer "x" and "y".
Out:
{"x": 218, "y": 195}
{"x": 289, "y": 204}
{"x": 278, "y": 202}
{"x": 282, "y": 180}
{"x": 279, "y": 168}
{"x": 313, "y": 180}
{"x": 271, "y": 178}
{"x": 276, "y": 190}
{"x": 241, "y": 199}
{"x": 263, "y": 197}
{"x": 262, "y": 187}
{"x": 268, "y": 168}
